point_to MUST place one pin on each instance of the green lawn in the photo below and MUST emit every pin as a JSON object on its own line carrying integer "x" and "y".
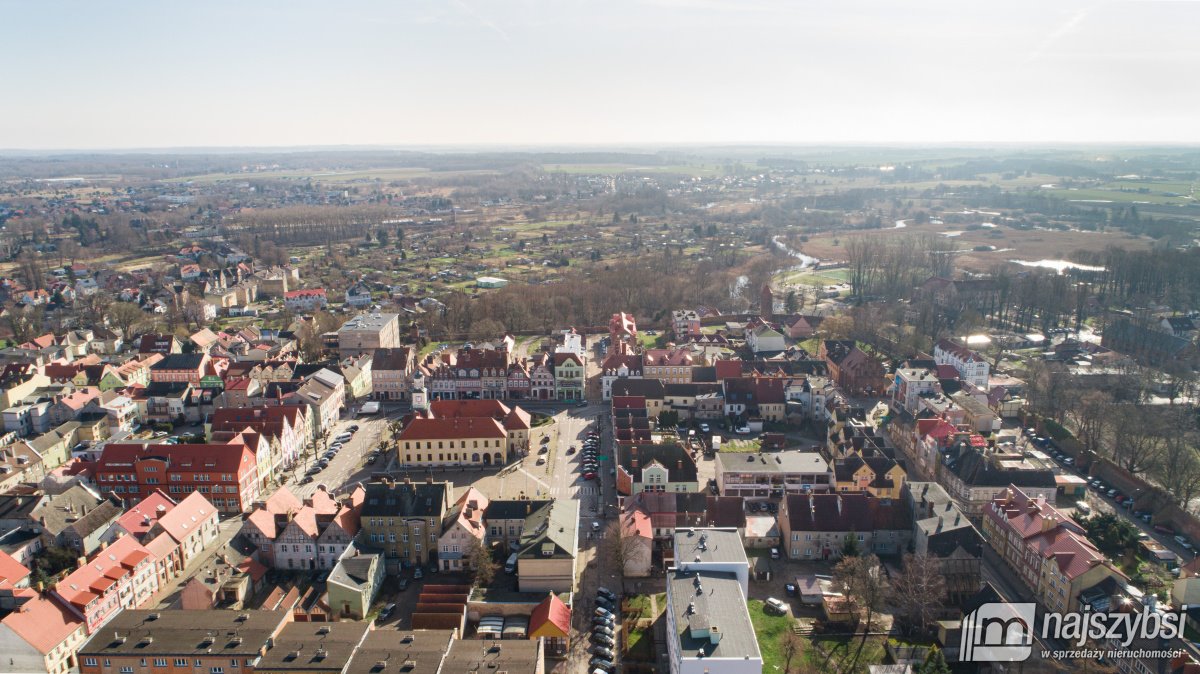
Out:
{"x": 770, "y": 630}
{"x": 839, "y": 651}
{"x": 738, "y": 445}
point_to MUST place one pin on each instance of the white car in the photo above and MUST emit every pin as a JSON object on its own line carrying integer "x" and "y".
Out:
{"x": 742, "y": 430}
{"x": 703, "y": 428}
{"x": 773, "y": 605}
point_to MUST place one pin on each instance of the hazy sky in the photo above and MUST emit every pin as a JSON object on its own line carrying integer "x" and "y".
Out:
{"x": 126, "y": 74}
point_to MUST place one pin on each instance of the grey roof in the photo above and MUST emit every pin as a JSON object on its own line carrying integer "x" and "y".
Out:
{"x": 973, "y": 468}
{"x": 708, "y": 545}
{"x": 314, "y": 646}
{"x": 702, "y": 600}
{"x": 425, "y": 649}
{"x": 555, "y": 524}
{"x": 511, "y": 510}
{"x": 61, "y": 510}
{"x": 400, "y": 499}
{"x": 513, "y": 655}
{"x": 373, "y": 322}
{"x": 175, "y": 632}
{"x": 786, "y": 462}
{"x": 96, "y": 518}
{"x": 353, "y": 572}
{"x": 650, "y": 388}
{"x": 179, "y": 361}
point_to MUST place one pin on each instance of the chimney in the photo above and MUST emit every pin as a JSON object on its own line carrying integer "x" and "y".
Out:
{"x": 428, "y": 479}
{"x": 1049, "y": 523}
{"x": 679, "y": 464}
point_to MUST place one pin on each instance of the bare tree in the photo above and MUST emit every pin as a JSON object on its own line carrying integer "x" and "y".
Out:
{"x": 920, "y": 591}
{"x": 621, "y": 544}
{"x": 483, "y": 566}
{"x": 790, "y": 646}
{"x": 126, "y": 317}
{"x": 863, "y": 581}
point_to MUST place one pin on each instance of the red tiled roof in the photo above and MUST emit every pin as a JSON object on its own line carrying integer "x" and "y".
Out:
{"x": 227, "y": 458}
{"x": 552, "y": 610}
{"x": 90, "y": 580}
{"x": 11, "y": 570}
{"x": 140, "y": 518}
{"x": 452, "y": 429}
{"x": 308, "y": 292}
{"x": 43, "y": 623}
{"x": 188, "y": 516}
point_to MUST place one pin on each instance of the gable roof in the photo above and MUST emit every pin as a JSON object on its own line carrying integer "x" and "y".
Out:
{"x": 186, "y": 517}
{"x": 552, "y": 610}
{"x": 43, "y": 623}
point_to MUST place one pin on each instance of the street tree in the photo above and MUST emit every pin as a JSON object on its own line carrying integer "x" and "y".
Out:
{"x": 919, "y": 592}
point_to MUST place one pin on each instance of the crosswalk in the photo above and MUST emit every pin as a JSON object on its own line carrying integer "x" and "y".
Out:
{"x": 574, "y": 491}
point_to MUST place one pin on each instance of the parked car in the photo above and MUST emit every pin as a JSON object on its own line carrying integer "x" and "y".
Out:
{"x": 603, "y": 612}
{"x": 773, "y": 605}
{"x": 602, "y": 651}
{"x": 571, "y": 449}
{"x": 307, "y": 479}
{"x": 602, "y": 629}
{"x": 602, "y": 663}
{"x": 603, "y": 639}
{"x": 742, "y": 430}
{"x": 602, "y": 620}
{"x": 541, "y": 460}
{"x": 403, "y": 584}
{"x": 387, "y": 611}
{"x": 1112, "y": 492}
{"x": 606, "y": 593}
{"x": 1183, "y": 540}
{"x": 1164, "y": 529}
{"x": 589, "y": 476}
{"x": 418, "y": 574}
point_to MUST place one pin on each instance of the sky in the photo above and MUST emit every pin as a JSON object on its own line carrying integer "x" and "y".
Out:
{"x": 248, "y": 73}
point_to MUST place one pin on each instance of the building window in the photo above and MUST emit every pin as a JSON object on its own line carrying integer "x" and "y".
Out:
{"x": 89, "y": 662}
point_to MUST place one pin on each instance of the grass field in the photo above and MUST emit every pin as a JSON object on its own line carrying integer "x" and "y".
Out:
{"x": 1098, "y": 195}
{"x": 770, "y": 630}
{"x": 327, "y": 176}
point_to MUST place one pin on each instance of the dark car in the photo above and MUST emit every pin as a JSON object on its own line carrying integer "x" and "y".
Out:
{"x": 606, "y": 593}
{"x": 581, "y": 403}
{"x": 571, "y": 449}
{"x": 403, "y": 584}
{"x": 603, "y": 639}
{"x": 601, "y": 663}
{"x": 601, "y": 620}
{"x": 602, "y": 651}
{"x": 307, "y": 479}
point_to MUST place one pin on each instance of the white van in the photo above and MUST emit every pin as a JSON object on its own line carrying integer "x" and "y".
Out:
{"x": 510, "y": 566}
{"x": 1083, "y": 508}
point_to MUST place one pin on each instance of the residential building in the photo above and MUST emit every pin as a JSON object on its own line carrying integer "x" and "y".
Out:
{"x": 288, "y": 426}
{"x": 480, "y": 441}
{"x": 41, "y": 635}
{"x": 325, "y": 393}
{"x": 549, "y": 547}
{"x": 1049, "y": 551}
{"x": 971, "y": 367}
{"x": 403, "y": 519}
{"x": 391, "y": 370}
{"x": 569, "y": 376}
{"x": 942, "y": 531}
{"x": 685, "y": 323}
{"x": 505, "y": 520}
{"x": 637, "y": 542}
{"x": 367, "y": 332}
{"x": 975, "y": 476}
{"x": 667, "y": 511}
{"x": 225, "y": 474}
{"x": 463, "y": 529}
{"x": 851, "y": 368}
{"x": 874, "y": 473}
{"x": 551, "y": 622}
{"x": 526, "y": 656}
{"x": 425, "y": 649}
{"x": 714, "y": 550}
{"x": 312, "y": 534}
{"x": 305, "y": 300}
{"x": 754, "y": 475}
{"x": 665, "y": 467}
{"x": 817, "y": 526}
{"x": 765, "y": 339}
{"x": 313, "y": 648}
{"x": 119, "y": 577}
{"x": 707, "y": 621}
{"x": 173, "y": 641}
{"x": 671, "y": 366}
{"x": 618, "y": 366}
{"x": 912, "y": 384}
{"x": 180, "y": 368}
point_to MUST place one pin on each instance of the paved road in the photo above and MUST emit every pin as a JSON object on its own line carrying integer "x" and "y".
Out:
{"x": 349, "y": 466}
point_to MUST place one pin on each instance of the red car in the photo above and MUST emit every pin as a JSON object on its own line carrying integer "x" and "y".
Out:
{"x": 589, "y": 476}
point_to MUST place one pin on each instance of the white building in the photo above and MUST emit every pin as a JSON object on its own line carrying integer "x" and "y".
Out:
{"x": 971, "y": 366}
